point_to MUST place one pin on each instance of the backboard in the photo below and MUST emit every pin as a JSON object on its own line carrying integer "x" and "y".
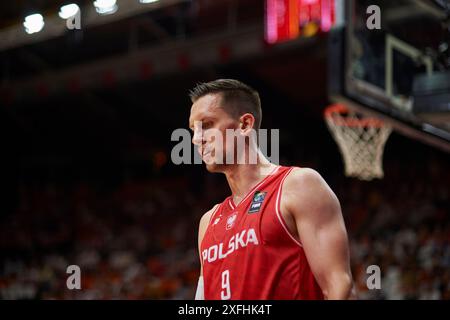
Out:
{"x": 398, "y": 69}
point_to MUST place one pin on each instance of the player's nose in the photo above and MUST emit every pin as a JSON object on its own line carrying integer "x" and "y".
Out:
{"x": 197, "y": 138}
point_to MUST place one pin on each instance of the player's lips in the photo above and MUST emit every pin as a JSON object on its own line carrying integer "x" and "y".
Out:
{"x": 206, "y": 152}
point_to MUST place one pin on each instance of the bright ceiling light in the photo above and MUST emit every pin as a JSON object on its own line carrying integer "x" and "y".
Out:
{"x": 148, "y": 1}
{"x": 34, "y": 23}
{"x": 67, "y": 11}
{"x": 104, "y": 7}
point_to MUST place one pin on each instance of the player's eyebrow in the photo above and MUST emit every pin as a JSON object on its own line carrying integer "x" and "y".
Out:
{"x": 191, "y": 124}
{"x": 203, "y": 118}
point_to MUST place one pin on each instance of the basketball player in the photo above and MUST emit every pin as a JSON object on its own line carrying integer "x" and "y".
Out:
{"x": 279, "y": 235}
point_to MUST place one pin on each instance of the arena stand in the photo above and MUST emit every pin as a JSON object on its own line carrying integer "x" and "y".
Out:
{"x": 137, "y": 240}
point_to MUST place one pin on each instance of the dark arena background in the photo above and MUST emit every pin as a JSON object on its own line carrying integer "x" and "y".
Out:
{"x": 89, "y": 101}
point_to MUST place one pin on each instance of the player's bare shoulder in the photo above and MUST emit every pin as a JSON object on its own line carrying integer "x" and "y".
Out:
{"x": 303, "y": 179}
{"x": 304, "y": 189}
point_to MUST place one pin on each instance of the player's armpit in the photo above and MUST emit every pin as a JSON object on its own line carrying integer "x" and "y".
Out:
{"x": 317, "y": 216}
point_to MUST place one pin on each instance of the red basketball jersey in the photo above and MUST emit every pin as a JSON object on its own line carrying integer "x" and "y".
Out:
{"x": 248, "y": 253}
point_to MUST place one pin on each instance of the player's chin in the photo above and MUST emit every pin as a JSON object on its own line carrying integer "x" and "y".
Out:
{"x": 212, "y": 166}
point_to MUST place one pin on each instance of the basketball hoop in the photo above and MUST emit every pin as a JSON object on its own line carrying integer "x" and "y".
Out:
{"x": 360, "y": 139}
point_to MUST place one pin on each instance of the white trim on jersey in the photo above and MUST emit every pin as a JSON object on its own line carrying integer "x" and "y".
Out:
{"x": 213, "y": 214}
{"x": 280, "y": 218}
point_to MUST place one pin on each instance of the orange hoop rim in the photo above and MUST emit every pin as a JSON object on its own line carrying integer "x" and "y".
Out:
{"x": 341, "y": 109}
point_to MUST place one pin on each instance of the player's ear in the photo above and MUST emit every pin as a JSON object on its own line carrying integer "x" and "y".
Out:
{"x": 246, "y": 123}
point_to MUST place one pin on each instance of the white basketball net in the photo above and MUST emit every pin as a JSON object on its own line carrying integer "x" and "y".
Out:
{"x": 361, "y": 141}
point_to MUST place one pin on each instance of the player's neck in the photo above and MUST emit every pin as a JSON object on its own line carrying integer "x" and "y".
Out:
{"x": 243, "y": 177}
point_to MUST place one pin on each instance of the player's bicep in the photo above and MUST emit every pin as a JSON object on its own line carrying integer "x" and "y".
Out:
{"x": 325, "y": 242}
{"x": 321, "y": 228}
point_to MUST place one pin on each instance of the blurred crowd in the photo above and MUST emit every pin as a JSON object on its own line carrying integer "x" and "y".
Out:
{"x": 402, "y": 225}
{"x": 138, "y": 240}
{"x": 135, "y": 242}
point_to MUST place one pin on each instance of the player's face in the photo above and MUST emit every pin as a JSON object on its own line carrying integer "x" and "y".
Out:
{"x": 207, "y": 120}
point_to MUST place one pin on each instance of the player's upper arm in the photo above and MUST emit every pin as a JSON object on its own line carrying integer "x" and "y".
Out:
{"x": 201, "y": 232}
{"x": 318, "y": 219}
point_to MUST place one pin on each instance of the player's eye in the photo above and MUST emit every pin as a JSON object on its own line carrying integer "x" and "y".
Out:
{"x": 207, "y": 124}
